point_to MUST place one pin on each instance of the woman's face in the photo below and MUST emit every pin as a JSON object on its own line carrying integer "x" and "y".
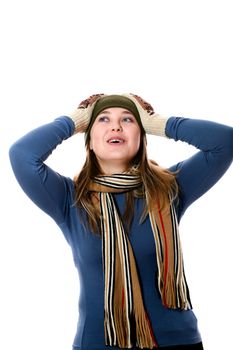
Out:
{"x": 115, "y": 139}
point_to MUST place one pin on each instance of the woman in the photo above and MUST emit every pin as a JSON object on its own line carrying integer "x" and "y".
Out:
{"x": 120, "y": 216}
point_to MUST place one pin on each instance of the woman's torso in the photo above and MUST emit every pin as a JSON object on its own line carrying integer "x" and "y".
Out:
{"x": 171, "y": 327}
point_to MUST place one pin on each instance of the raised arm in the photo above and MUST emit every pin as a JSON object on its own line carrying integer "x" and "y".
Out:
{"x": 200, "y": 172}
{"x": 46, "y": 188}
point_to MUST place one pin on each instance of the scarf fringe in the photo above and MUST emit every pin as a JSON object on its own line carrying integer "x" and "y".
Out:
{"x": 144, "y": 334}
{"x": 122, "y": 328}
{"x": 169, "y": 297}
{"x": 172, "y": 300}
{"x": 143, "y": 330}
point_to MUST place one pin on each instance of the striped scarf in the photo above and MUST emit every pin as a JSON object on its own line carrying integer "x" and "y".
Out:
{"x": 126, "y": 322}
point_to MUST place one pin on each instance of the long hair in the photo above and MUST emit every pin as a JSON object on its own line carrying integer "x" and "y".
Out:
{"x": 158, "y": 183}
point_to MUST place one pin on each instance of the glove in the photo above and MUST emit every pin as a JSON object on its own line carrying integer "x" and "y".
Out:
{"x": 82, "y": 114}
{"x": 152, "y": 122}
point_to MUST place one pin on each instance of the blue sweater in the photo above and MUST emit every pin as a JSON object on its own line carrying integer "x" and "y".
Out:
{"x": 54, "y": 194}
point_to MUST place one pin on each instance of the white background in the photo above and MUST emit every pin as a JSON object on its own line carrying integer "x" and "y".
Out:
{"x": 178, "y": 56}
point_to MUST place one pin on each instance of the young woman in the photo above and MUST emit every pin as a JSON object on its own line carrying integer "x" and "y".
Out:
{"x": 120, "y": 216}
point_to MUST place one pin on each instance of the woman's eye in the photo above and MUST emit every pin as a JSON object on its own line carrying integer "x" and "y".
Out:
{"x": 103, "y": 119}
{"x": 128, "y": 119}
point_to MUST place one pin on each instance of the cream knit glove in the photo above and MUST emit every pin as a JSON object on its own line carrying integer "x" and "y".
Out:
{"x": 82, "y": 114}
{"x": 152, "y": 122}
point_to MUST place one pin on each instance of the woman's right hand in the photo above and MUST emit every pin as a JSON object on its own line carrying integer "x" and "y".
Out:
{"x": 82, "y": 114}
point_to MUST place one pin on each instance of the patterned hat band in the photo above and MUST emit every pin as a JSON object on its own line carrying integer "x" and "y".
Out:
{"x": 109, "y": 101}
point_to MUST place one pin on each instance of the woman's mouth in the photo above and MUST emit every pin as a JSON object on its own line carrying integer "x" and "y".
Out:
{"x": 116, "y": 140}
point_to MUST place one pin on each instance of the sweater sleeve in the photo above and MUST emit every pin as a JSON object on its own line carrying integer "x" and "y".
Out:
{"x": 197, "y": 174}
{"x": 45, "y": 187}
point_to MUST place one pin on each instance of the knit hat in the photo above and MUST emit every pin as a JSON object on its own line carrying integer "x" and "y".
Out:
{"x": 108, "y": 101}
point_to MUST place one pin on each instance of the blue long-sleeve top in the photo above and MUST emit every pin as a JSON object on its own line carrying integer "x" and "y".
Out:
{"x": 54, "y": 194}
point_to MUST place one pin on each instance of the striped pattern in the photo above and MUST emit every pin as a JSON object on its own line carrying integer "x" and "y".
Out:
{"x": 171, "y": 278}
{"x": 113, "y": 227}
{"x": 123, "y": 302}
{"x": 182, "y": 292}
{"x": 122, "y": 182}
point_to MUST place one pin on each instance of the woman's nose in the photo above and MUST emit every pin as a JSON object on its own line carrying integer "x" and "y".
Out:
{"x": 116, "y": 127}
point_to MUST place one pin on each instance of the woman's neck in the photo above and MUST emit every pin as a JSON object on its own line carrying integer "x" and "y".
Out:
{"x": 112, "y": 168}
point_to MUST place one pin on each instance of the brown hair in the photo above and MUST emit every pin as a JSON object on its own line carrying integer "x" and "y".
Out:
{"x": 157, "y": 183}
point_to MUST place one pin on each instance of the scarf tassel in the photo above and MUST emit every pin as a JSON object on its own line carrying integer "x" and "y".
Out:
{"x": 174, "y": 297}
{"x": 143, "y": 330}
{"x": 144, "y": 333}
{"x": 122, "y": 327}
{"x": 169, "y": 297}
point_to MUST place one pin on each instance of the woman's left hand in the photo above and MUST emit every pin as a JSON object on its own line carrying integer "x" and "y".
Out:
{"x": 153, "y": 123}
